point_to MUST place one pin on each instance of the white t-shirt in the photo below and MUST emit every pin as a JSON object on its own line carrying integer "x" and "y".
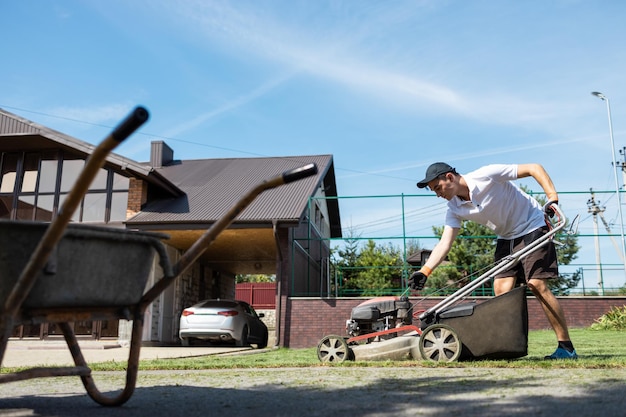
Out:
{"x": 497, "y": 203}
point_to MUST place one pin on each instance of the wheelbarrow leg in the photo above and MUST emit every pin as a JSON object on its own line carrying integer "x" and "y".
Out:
{"x": 131, "y": 370}
{"x": 6, "y": 328}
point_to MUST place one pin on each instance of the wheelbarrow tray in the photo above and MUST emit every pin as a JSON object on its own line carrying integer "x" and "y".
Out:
{"x": 91, "y": 266}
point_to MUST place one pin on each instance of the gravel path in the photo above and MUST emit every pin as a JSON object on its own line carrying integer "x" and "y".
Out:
{"x": 332, "y": 392}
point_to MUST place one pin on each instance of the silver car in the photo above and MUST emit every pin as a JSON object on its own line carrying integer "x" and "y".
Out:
{"x": 220, "y": 320}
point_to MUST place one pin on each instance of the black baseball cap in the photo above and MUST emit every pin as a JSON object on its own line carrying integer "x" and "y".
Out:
{"x": 433, "y": 171}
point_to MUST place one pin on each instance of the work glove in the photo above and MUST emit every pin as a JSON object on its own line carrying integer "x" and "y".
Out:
{"x": 417, "y": 280}
{"x": 549, "y": 209}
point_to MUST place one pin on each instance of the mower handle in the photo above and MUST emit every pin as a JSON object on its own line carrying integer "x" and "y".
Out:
{"x": 560, "y": 216}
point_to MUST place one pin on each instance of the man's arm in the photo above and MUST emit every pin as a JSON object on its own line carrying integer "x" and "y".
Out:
{"x": 541, "y": 176}
{"x": 440, "y": 251}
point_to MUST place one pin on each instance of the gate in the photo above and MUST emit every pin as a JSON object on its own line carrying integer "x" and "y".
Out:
{"x": 260, "y": 295}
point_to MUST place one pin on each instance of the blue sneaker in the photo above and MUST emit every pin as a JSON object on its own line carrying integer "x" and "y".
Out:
{"x": 561, "y": 353}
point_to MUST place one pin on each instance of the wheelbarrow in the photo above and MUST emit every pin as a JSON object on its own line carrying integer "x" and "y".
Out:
{"x": 390, "y": 328}
{"x": 61, "y": 273}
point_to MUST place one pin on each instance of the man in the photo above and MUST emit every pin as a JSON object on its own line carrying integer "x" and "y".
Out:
{"x": 487, "y": 196}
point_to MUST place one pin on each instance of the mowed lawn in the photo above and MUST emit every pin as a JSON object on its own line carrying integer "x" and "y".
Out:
{"x": 602, "y": 349}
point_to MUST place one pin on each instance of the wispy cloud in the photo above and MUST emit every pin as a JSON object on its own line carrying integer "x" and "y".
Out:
{"x": 484, "y": 152}
{"x": 106, "y": 114}
{"x": 230, "y": 105}
{"x": 344, "y": 51}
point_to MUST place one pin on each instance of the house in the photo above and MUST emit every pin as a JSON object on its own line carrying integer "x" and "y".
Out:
{"x": 285, "y": 231}
{"x": 419, "y": 258}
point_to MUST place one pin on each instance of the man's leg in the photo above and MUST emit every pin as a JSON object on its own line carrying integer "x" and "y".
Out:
{"x": 554, "y": 312}
{"x": 551, "y": 307}
{"x": 503, "y": 285}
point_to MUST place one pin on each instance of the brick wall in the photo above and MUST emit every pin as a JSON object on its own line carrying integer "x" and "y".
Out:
{"x": 313, "y": 318}
{"x": 137, "y": 196}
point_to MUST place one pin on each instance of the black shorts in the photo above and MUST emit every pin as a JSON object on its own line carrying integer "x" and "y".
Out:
{"x": 539, "y": 264}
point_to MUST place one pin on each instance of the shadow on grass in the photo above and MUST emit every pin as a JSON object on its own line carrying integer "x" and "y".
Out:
{"x": 329, "y": 391}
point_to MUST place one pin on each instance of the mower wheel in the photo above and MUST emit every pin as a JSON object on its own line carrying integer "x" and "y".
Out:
{"x": 440, "y": 343}
{"x": 333, "y": 349}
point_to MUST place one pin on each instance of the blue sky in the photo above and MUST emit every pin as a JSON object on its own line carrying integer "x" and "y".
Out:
{"x": 386, "y": 87}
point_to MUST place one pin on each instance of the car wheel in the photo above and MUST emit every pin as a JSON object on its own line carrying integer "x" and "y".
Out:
{"x": 243, "y": 339}
{"x": 263, "y": 343}
{"x": 185, "y": 342}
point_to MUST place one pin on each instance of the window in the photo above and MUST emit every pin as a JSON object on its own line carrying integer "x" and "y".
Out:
{"x": 9, "y": 171}
{"x": 34, "y": 185}
{"x": 31, "y": 171}
{"x": 71, "y": 170}
{"x": 8, "y": 174}
{"x": 48, "y": 180}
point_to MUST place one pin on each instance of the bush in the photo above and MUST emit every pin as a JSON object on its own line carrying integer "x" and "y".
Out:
{"x": 614, "y": 319}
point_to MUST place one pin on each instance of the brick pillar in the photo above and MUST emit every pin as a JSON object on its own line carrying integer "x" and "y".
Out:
{"x": 283, "y": 274}
{"x": 137, "y": 196}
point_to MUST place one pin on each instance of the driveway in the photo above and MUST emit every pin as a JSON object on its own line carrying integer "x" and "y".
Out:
{"x": 56, "y": 353}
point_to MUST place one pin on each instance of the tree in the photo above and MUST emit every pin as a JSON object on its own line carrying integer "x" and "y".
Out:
{"x": 371, "y": 270}
{"x": 412, "y": 246}
{"x": 239, "y": 278}
{"x": 471, "y": 254}
{"x": 379, "y": 269}
{"x": 345, "y": 266}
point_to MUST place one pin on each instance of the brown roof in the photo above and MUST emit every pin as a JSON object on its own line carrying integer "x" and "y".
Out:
{"x": 213, "y": 186}
{"x": 20, "y": 134}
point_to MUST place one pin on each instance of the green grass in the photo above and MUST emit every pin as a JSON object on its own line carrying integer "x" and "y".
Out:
{"x": 597, "y": 349}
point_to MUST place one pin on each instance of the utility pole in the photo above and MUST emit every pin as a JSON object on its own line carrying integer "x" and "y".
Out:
{"x": 597, "y": 211}
{"x": 594, "y": 209}
{"x": 622, "y": 164}
{"x": 617, "y": 187}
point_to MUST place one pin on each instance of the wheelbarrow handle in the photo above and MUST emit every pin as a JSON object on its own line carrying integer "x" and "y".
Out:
{"x": 95, "y": 161}
{"x": 131, "y": 123}
{"x": 299, "y": 173}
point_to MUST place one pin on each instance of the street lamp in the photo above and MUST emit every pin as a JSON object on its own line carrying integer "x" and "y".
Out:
{"x": 619, "y": 198}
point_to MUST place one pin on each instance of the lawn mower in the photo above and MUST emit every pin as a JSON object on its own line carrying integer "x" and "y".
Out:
{"x": 384, "y": 328}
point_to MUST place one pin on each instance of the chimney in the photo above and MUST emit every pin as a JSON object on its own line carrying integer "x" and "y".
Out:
{"x": 160, "y": 154}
